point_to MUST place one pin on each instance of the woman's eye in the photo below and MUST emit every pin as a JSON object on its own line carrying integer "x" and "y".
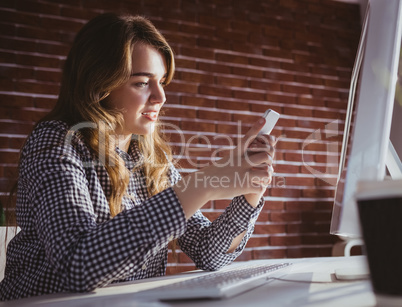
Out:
{"x": 141, "y": 84}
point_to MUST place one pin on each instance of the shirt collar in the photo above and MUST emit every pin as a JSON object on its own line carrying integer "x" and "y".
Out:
{"x": 133, "y": 157}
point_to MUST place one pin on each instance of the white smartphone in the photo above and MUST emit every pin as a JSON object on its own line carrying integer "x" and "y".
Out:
{"x": 271, "y": 117}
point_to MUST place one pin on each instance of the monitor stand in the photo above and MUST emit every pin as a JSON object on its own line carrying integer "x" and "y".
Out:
{"x": 352, "y": 273}
{"x": 349, "y": 273}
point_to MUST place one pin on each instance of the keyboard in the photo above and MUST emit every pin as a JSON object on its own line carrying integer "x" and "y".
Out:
{"x": 216, "y": 285}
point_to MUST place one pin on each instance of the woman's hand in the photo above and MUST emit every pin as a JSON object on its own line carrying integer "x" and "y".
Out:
{"x": 262, "y": 143}
{"x": 247, "y": 170}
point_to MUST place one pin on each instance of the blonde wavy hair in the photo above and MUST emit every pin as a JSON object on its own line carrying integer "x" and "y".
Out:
{"x": 99, "y": 62}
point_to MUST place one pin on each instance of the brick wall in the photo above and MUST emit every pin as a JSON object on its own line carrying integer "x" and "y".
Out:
{"x": 235, "y": 59}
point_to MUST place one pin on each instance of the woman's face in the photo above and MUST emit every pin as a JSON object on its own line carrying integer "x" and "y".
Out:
{"x": 142, "y": 96}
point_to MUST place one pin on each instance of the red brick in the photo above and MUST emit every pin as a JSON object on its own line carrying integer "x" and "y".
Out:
{"x": 257, "y": 241}
{"x": 179, "y": 112}
{"x": 35, "y": 7}
{"x": 44, "y": 103}
{"x": 196, "y": 28}
{"x": 232, "y": 105}
{"x": 214, "y": 91}
{"x": 7, "y": 85}
{"x": 172, "y": 98}
{"x": 248, "y": 72}
{"x": 249, "y": 95}
{"x": 196, "y": 52}
{"x": 267, "y": 86}
{"x": 229, "y": 81}
{"x": 75, "y": 11}
{"x": 305, "y": 227}
{"x": 15, "y": 100}
{"x": 212, "y": 115}
{"x": 28, "y": 59}
{"x": 196, "y": 77}
{"x": 300, "y": 181}
{"x": 177, "y": 38}
{"x": 16, "y": 127}
{"x": 285, "y": 217}
{"x": 214, "y": 21}
{"x": 337, "y": 104}
{"x": 271, "y": 205}
{"x": 231, "y": 58}
{"x": 197, "y": 101}
{"x": 214, "y": 67}
{"x": 276, "y": 253}
{"x": 211, "y": 43}
{"x": 227, "y": 129}
{"x": 266, "y": 64}
{"x": 284, "y": 98}
{"x": 324, "y": 70}
{"x": 301, "y": 252}
{"x": 16, "y": 72}
{"x": 298, "y": 134}
{"x": 317, "y": 193}
{"x": 37, "y": 87}
{"x": 270, "y": 228}
{"x": 283, "y": 144}
{"x": 185, "y": 87}
{"x": 285, "y": 192}
{"x": 244, "y": 119}
{"x": 286, "y": 240}
{"x": 8, "y": 157}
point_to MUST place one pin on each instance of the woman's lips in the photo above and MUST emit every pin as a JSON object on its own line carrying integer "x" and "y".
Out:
{"x": 153, "y": 116}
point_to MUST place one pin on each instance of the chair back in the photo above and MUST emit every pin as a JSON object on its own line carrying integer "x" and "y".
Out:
{"x": 6, "y": 234}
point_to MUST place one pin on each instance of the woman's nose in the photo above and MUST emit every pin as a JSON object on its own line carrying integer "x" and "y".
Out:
{"x": 158, "y": 95}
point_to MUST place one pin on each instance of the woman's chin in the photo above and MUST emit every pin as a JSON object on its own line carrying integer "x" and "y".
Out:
{"x": 144, "y": 131}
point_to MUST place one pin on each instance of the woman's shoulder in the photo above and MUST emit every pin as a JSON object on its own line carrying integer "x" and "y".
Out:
{"x": 52, "y": 139}
{"x": 52, "y": 132}
{"x": 46, "y": 135}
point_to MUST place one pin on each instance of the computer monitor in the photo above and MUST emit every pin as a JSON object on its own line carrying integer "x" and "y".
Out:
{"x": 366, "y": 139}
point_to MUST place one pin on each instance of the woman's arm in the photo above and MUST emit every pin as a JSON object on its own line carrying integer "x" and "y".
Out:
{"x": 63, "y": 207}
{"x": 87, "y": 254}
{"x": 211, "y": 244}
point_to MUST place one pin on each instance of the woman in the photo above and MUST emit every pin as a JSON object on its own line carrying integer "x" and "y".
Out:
{"x": 98, "y": 198}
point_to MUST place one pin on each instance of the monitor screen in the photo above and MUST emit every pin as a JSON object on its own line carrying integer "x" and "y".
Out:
{"x": 369, "y": 114}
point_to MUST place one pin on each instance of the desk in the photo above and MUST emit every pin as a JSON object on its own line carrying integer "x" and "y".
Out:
{"x": 308, "y": 282}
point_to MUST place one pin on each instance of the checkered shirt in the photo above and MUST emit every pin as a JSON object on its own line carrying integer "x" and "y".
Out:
{"x": 68, "y": 240}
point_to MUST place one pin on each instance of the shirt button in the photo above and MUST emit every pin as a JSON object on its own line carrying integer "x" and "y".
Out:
{"x": 144, "y": 267}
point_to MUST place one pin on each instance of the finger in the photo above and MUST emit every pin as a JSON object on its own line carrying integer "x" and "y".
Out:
{"x": 266, "y": 148}
{"x": 264, "y": 143}
{"x": 261, "y": 148}
{"x": 263, "y": 176}
{"x": 266, "y": 139}
{"x": 266, "y": 168}
{"x": 251, "y": 135}
{"x": 265, "y": 165}
{"x": 259, "y": 159}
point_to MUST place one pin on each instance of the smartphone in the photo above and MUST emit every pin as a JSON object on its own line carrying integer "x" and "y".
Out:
{"x": 271, "y": 117}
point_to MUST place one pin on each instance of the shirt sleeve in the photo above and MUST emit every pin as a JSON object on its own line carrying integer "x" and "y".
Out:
{"x": 84, "y": 253}
{"x": 207, "y": 243}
